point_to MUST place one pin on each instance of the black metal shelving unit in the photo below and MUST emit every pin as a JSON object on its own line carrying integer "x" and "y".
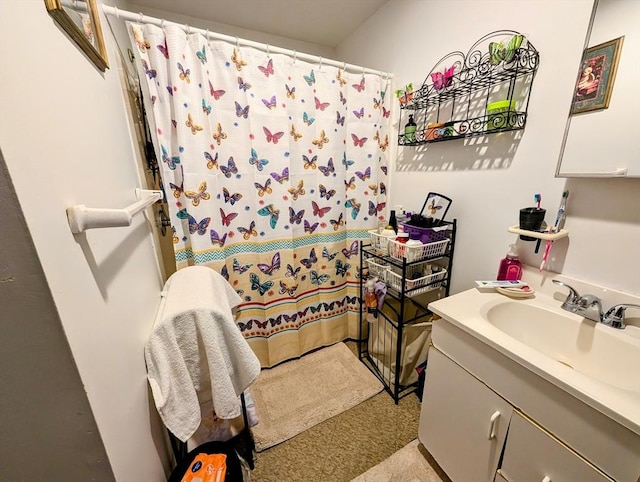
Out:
{"x": 479, "y": 79}
{"x": 392, "y": 322}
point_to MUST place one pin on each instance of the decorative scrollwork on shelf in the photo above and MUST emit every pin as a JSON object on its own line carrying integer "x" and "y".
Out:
{"x": 498, "y": 68}
{"x": 475, "y": 126}
{"x": 475, "y": 70}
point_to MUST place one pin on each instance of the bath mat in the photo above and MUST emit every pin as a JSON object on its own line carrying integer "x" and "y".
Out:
{"x": 299, "y": 394}
{"x": 407, "y": 465}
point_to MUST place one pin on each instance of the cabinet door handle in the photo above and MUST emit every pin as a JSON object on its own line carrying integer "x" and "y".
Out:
{"x": 493, "y": 423}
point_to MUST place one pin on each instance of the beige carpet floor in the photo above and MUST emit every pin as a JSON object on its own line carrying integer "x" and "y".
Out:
{"x": 302, "y": 393}
{"x": 344, "y": 446}
{"x": 409, "y": 464}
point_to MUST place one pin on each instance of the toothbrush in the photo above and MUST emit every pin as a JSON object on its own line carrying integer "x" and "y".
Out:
{"x": 561, "y": 212}
{"x": 537, "y": 198}
{"x": 557, "y": 226}
{"x": 547, "y": 248}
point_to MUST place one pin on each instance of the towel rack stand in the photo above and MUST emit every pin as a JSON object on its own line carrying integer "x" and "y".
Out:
{"x": 81, "y": 217}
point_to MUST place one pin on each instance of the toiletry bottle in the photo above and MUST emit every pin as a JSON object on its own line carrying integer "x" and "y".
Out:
{"x": 510, "y": 266}
{"x": 400, "y": 214}
{"x": 393, "y": 222}
{"x": 386, "y": 236}
{"x": 410, "y": 129}
{"x": 414, "y": 239}
{"x": 371, "y": 301}
{"x": 413, "y": 254}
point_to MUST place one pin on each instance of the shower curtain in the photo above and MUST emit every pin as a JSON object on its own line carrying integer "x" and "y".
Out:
{"x": 274, "y": 168}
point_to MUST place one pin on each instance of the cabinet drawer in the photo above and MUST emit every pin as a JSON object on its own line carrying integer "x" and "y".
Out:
{"x": 531, "y": 454}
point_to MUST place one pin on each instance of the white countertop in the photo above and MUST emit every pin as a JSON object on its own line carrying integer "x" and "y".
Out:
{"x": 468, "y": 310}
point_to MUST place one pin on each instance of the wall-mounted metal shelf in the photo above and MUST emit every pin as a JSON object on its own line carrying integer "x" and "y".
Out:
{"x": 454, "y": 96}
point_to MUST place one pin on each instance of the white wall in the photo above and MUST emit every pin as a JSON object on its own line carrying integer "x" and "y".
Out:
{"x": 490, "y": 179}
{"x": 65, "y": 139}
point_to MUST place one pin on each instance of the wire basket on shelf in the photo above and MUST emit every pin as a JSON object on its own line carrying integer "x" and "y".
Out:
{"x": 414, "y": 283}
{"x": 399, "y": 250}
{"x": 377, "y": 269}
{"x": 379, "y": 242}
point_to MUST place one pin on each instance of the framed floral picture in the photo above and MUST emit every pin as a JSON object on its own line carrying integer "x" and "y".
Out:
{"x": 596, "y": 77}
{"x": 80, "y": 20}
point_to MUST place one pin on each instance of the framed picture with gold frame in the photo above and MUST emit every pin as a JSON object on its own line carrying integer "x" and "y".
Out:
{"x": 79, "y": 18}
{"x": 596, "y": 77}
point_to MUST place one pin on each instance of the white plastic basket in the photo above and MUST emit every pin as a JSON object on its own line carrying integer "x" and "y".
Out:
{"x": 378, "y": 269}
{"x": 399, "y": 250}
{"x": 420, "y": 284}
{"x": 379, "y": 242}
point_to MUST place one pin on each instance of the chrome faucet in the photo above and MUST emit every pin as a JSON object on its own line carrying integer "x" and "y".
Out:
{"x": 614, "y": 317}
{"x": 570, "y": 302}
{"x": 590, "y": 307}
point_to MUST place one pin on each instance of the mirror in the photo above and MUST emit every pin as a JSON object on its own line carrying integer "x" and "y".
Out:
{"x": 79, "y": 18}
{"x": 603, "y": 141}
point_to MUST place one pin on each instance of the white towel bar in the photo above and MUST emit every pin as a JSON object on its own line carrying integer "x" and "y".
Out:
{"x": 81, "y": 217}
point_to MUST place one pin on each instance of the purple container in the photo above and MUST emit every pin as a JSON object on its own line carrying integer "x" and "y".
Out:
{"x": 426, "y": 235}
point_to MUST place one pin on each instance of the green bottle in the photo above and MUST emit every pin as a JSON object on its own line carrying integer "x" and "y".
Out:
{"x": 410, "y": 130}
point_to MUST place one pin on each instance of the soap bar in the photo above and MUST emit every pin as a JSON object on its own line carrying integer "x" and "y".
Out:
{"x": 500, "y": 284}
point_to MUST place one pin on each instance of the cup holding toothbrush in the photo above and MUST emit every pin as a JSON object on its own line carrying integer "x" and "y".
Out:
{"x": 531, "y": 219}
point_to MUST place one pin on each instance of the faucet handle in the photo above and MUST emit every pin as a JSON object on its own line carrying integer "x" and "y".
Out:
{"x": 572, "y": 297}
{"x": 589, "y": 300}
{"x": 614, "y": 317}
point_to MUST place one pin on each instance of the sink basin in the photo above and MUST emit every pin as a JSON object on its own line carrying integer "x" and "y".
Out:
{"x": 600, "y": 352}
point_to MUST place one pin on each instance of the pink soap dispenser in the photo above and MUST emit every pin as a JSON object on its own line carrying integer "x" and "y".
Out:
{"x": 510, "y": 266}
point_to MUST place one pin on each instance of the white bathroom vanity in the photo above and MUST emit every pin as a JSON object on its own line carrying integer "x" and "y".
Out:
{"x": 521, "y": 390}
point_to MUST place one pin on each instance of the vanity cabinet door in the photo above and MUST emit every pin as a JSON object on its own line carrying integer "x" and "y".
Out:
{"x": 463, "y": 423}
{"x": 532, "y": 454}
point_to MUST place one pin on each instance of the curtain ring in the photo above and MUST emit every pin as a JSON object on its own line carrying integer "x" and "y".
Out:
{"x": 117, "y": 12}
{"x": 237, "y": 43}
{"x": 162, "y": 23}
{"x": 295, "y": 55}
{"x": 362, "y": 71}
{"x": 319, "y": 64}
{"x": 268, "y": 47}
{"x": 206, "y": 35}
{"x": 141, "y": 18}
{"x": 344, "y": 67}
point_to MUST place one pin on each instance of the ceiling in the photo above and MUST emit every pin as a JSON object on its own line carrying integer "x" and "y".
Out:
{"x": 321, "y": 22}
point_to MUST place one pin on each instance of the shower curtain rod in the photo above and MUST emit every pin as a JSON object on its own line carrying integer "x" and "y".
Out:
{"x": 140, "y": 17}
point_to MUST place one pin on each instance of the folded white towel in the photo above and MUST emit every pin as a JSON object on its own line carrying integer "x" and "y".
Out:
{"x": 196, "y": 351}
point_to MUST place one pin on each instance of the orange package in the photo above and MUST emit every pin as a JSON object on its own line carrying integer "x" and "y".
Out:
{"x": 207, "y": 468}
